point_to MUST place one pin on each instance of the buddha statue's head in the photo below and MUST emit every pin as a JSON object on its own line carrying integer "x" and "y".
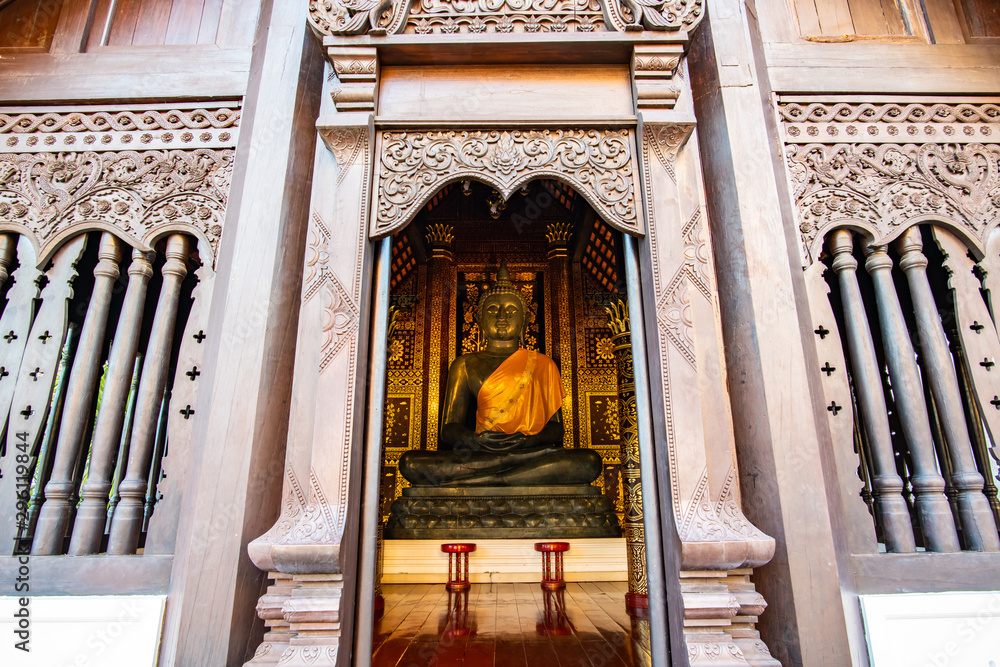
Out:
{"x": 502, "y": 311}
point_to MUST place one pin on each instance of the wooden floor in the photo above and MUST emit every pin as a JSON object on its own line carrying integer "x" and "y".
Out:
{"x": 509, "y": 625}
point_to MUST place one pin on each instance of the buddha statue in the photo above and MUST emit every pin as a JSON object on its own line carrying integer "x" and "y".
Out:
{"x": 501, "y": 413}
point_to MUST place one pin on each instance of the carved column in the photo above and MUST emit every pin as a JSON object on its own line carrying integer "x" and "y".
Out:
{"x": 441, "y": 293}
{"x": 8, "y": 249}
{"x": 558, "y": 234}
{"x": 54, "y": 518}
{"x": 935, "y": 515}
{"x": 88, "y": 528}
{"x": 127, "y": 522}
{"x": 632, "y": 524}
{"x": 978, "y": 526}
{"x": 893, "y": 513}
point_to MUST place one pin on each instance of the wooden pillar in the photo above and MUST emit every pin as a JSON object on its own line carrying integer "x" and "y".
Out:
{"x": 88, "y": 527}
{"x": 127, "y": 521}
{"x": 54, "y": 518}
{"x": 978, "y": 526}
{"x": 928, "y": 485}
{"x": 893, "y": 512}
{"x": 768, "y": 353}
{"x": 240, "y": 427}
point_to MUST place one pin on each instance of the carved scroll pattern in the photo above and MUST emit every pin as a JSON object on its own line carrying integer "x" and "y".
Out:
{"x": 598, "y": 163}
{"x": 139, "y": 193}
{"x": 355, "y": 17}
{"x": 888, "y": 164}
{"x": 504, "y": 16}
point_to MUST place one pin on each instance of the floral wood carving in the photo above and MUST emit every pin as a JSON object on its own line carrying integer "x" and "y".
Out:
{"x": 414, "y": 165}
{"x": 504, "y": 16}
{"x": 353, "y": 17}
{"x": 882, "y": 165}
{"x": 884, "y": 186}
{"x": 136, "y": 192}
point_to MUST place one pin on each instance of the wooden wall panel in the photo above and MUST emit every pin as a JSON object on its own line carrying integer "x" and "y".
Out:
{"x": 156, "y": 22}
{"x": 982, "y": 17}
{"x": 837, "y": 18}
{"x": 29, "y": 23}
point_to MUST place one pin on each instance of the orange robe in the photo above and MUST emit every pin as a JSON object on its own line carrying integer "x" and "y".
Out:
{"x": 521, "y": 395}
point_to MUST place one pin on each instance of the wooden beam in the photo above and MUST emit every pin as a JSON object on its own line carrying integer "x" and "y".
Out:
{"x": 134, "y": 74}
{"x": 90, "y": 575}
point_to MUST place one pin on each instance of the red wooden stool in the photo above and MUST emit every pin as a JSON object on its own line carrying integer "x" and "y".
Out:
{"x": 460, "y": 580}
{"x": 552, "y": 581}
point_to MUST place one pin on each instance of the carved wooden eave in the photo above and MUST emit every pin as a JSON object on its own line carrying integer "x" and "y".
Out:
{"x": 500, "y": 18}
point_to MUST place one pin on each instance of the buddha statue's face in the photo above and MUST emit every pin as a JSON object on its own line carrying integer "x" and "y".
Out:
{"x": 502, "y": 317}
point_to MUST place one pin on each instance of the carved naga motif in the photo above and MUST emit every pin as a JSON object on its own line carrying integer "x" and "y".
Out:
{"x": 354, "y": 17}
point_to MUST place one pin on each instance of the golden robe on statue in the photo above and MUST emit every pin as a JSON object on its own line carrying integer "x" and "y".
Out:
{"x": 520, "y": 396}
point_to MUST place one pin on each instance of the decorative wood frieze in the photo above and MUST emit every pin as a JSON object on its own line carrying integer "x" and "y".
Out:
{"x": 599, "y": 163}
{"x": 881, "y": 166}
{"x": 139, "y": 172}
{"x": 381, "y": 17}
{"x": 180, "y": 126}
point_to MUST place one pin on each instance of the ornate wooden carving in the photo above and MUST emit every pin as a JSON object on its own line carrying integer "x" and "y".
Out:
{"x": 883, "y": 166}
{"x": 412, "y": 166}
{"x": 140, "y": 172}
{"x": 381, "y": 17}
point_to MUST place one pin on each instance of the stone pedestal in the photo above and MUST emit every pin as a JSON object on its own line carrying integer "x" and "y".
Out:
{"x": 550, "y": 512}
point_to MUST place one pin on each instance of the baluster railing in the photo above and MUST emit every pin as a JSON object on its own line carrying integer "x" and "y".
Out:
{"x": 8, "y": 250}
{"x": 932, "y": 507}
{"x": 126, "y": 524}
{"x": 155, "y": 467}
{"x": 92, "y": 513}
{"x": 978, "y": 526}
{"x": 892, "y": 510}
{"x": 124, "y": 443}
{"x": 54, "y": 518}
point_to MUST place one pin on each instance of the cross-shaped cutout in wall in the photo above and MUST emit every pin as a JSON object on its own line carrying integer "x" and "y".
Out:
{"x": 27, "y": 412}
{"x": 35, "y": 373}
{"x": 187, "y": 412}
{"x": 987, "y": 363}
{"x": 3, "y": 372}
{"x": 821, "y": 332}
{"x": 200, "y": 336}
{"x": 10, "y": 337}
{"x": 976, "y": 326}
{"x": 193, "y": 373}
{"x": 834, "y": 408}
{"x": 45, "y": 337}
{"x": 828, "y": 369}
{"x": 995, "y": 402}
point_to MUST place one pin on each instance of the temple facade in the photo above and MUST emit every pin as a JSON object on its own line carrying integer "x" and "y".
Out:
{"x": 242, "y": 241}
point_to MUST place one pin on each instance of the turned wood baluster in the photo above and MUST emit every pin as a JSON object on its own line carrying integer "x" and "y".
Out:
{"x": 935, "y": 515}
{"x": 127, "y": 522}
{"x": 973, "y": 509}
{"x": 889, "y": 502}
{"x": 88, "y": 528}
{"x": 54, "y": 517}
{"x": 8, "y": 246}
